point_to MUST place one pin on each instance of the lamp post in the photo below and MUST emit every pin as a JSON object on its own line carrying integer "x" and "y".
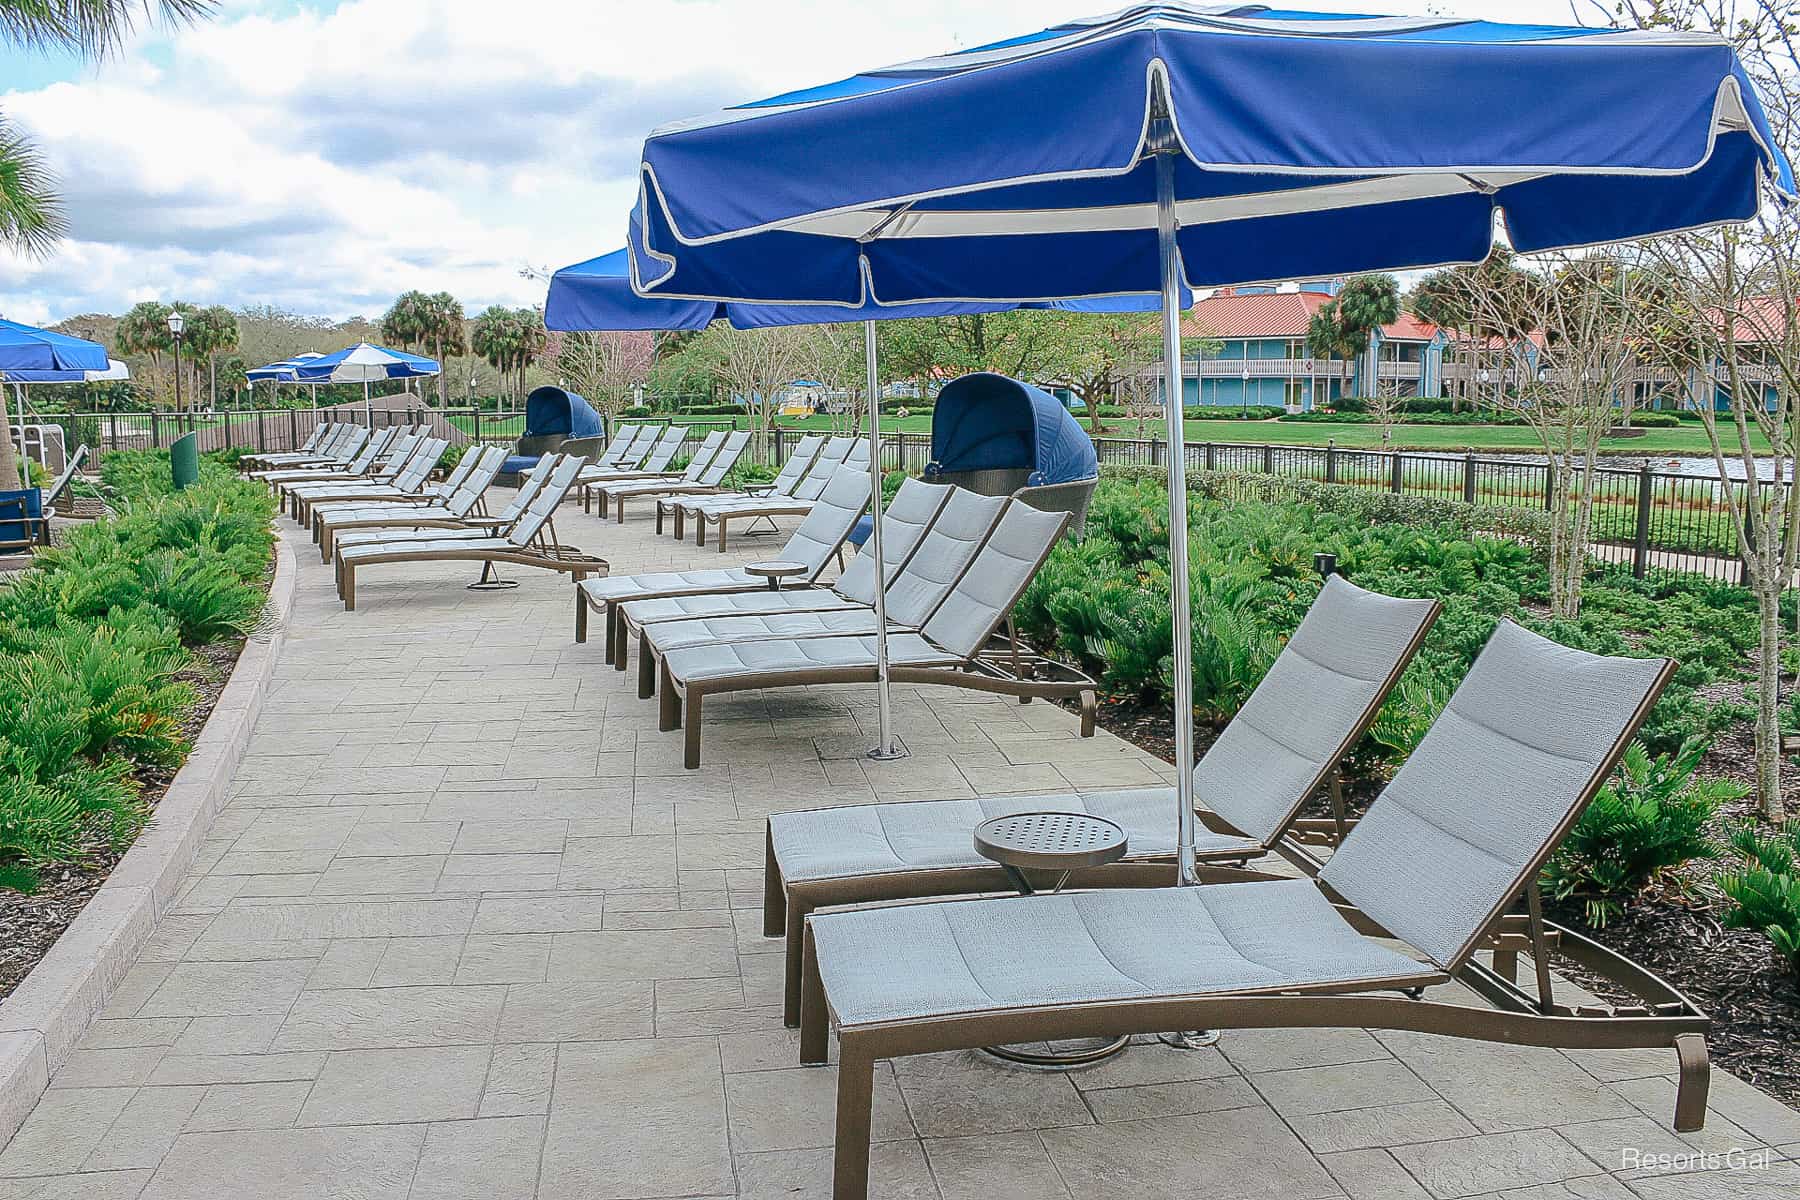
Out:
{"x": 1244, "y": 394}
{"x": 177, "y": 323}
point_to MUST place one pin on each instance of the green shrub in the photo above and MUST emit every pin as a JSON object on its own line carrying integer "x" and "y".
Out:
{"x": 1655, "y": 420}
{"x": 1765, "y": 888}
{"x": 1649, "y": 821}
{"x": 635, "y": 410}
{"x": 49, "y": 819}
{"x": 1224, "y": 412}
{"x": 201, "y": 592}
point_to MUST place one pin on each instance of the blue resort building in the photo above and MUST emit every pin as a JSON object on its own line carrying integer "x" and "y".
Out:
{"x": 1247, "y": 346}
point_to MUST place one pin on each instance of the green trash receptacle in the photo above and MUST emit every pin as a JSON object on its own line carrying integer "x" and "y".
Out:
{"x": 184, "y": 460}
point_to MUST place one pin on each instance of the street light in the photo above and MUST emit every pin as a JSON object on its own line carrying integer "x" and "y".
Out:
{"x": 177, "y": 323}
{"x": 1244, "y": 395}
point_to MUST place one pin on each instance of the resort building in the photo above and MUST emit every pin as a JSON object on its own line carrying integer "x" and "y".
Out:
{"x": 1247, "y": 346}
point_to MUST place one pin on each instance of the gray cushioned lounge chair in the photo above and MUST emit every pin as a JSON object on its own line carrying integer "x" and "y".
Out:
{"x": 1455, "y": 839}
{"x": 456, "y": 511}
{"x": 406, "y": 483}
{"x": 810, "y": 466}
{"x": 662, "y": 445}
{"x": 696, "y": 467}
{"x": 952, "y": 648}
{"x": 766, "y": 508}
{"x": 914, "y": 592}
{"x": 707, "y": 480}
{"x": 1314, "y": 704}
{"x": 530, "y": 542}
{"x": 341, "y": 454}
{"x": 309, "y": 449}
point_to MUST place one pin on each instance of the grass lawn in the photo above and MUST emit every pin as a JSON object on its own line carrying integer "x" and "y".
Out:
{"x": 1688, "y": 439}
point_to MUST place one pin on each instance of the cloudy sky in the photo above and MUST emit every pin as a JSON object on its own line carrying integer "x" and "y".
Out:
{"x": 323, "y": 157}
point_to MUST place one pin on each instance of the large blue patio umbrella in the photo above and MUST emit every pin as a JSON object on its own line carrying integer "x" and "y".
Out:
{"x": 285, "y": 371}
{"x": 1167, "y": 144}
{"x": 597, "y": 294}
{"x": 32, "y": 355}
{"x": 364, "y": 364}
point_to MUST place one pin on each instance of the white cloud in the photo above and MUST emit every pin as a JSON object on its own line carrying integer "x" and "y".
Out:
{"x": 326, "y": 160}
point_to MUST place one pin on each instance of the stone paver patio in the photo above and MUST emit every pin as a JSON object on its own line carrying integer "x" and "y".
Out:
{"x": 467, "y": 931}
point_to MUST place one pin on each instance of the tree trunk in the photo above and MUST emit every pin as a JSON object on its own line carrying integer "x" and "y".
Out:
{"x": 1768, "y": 706}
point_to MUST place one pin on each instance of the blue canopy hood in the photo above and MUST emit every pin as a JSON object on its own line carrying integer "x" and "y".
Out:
{"x": 986, "y": 421}
{"x": 550, "y": 410}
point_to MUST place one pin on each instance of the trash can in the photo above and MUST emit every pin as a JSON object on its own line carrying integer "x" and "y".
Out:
{"x": 184, "y": 460}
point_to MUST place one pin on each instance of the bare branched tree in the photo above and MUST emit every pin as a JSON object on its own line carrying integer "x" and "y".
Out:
{"x": 756, "y": 366}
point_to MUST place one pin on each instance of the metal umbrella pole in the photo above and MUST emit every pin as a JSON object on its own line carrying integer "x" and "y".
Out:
{"x": 1180, "y": 603}
{"x": 884, "y": 748}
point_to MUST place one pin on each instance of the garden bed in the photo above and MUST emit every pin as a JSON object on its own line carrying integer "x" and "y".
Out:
{"x": 114, "y": 649}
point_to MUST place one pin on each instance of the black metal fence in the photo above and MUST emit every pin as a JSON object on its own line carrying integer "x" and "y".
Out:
{"x": 1650, "y": 519}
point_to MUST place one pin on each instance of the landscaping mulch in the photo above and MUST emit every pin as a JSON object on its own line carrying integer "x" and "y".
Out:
{"x": 1731, "y": 974}
{"x": 30, "y": 925}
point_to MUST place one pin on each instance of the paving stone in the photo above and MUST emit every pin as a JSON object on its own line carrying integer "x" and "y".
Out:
{"x": 517, "y": 836}
{"x": 379, "y": 1018}
{"x": 504, "y": 958}
{"x": 65, "y": 1127}
{"x": 376, "y": 1087}
{"x": 125, "y": 1032}
{"x": 127, "y": 1066}
{"x": 411, "y": 961}
{"x": 659, "y": 954}
{"x": 966, "y": 1093}
{"x": 249, "y": 1106}
{"x": 226, "y": 1035}
{"x": 1505, "y": 1087}
{"x": 228, "y": 989}
{"x": 381, "y": 836}
{"x": 381, "y": 875}
{"x": 1170, "y": 1099}
{"x": 1492, "y": 1162}
{"x": 994, "y": 1167}
{"x": 518, "y": 1081}
{"x": 372, "y": 1163}
{"x": 1385, "y": 1125}
{"x": 793, "y": 1109}
{"x": 94, "y": 1185}
{"x": 1245, "y": 1153}
{"x": 343, "y": 919}
{"x": 1252, "y": 1050}
{"x": 1309, "y": 1090}
{"x": 897, "y": 1171}
{"x": 146, "y": 1128}
{"x": 1777, "y": 1180}
{"x": 236, "y": 1068}
{"x": 579, "y": 1011}
{"x": 480, "y": 1160}
{"x": 1372, "y": 1175}
{"x": 630, "y": 1119}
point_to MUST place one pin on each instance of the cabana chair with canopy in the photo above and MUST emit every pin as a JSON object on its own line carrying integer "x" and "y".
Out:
{"x": 456, "y": 511}
{"x": 1286, "y": 743}
{"x": 722, "y": 510}
{"x": 553, "y": 416}
{"x": 530, "y": 542}
{"x": 1457, "y": 836}
{"x": 813, "y": 545}
{"x": 957, "y": 646}
{"x": 935, "y": 563}
{"x": 408, "y": 483}
{"x": 916, "y": 509}
{"x": 997, "y": 436}
{"x": 705, "y": 482}
{"x": 794, "y": 470}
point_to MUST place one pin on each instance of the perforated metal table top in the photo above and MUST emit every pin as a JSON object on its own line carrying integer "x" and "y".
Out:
{"x": 1059, "y": 841}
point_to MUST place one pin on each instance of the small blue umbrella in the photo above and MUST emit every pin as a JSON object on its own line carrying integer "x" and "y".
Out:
{"x": 1167, "y": 144}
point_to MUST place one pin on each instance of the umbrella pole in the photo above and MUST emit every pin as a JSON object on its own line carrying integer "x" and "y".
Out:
{"x": 1180, "y": 605}
{"x": 885, "y": 747}
{"x": 368, "y": 406}
{"x": 1181, "y": 609}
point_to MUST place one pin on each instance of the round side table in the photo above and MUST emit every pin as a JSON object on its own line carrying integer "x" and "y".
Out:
{"x": 1051, "y": 841}
{"x": 775, "y": 570}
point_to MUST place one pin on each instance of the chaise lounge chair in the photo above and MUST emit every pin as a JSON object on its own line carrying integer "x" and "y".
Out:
{"x": 660, "y": 449}
{"x": 721, "y": 511}
{"x": 1311, "y": 708}
{"x": 408, "y": 482}
{"x": 904, "y": 524}
{"x": 809, "y": 466}
{"x": 308, "y": 450}
{"x": 530, "y": 542}
{"x": 813, "y": 545}
{"x": 697, "y": 464}
{"x": 1458, "y": 835}
{"x": 706, "y": 480}
{"x": 956, "y": 647}
{"x": 455, "y": 511}
{"x": 341, "y": 453}
{"x": 914, "y": 591}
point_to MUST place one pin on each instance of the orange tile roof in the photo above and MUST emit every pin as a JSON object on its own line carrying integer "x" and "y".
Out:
{"x": 1226, "y": 314}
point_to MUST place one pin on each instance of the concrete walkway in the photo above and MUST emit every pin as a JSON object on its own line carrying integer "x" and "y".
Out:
{"x": 468, "y": 932}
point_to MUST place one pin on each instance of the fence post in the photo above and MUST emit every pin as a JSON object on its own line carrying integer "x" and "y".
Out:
{"x": 1398, "y": 468}
{"x": 1157, "y": 455}
{"x": 1640, "y": 547}
{"x": 227, "y": 419}
{"x": 262, "y": 438}
{"x": 1268, "y": 460}
{"x": 1330, "y": 460}
{"x": 155, "y": 429}
{"x": 1468, "y": 479}
{"x": 113, "y": 422}
{"x": 477, "y": 433}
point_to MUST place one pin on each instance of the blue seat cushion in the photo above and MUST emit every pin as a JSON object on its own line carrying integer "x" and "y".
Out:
{"x": 859, "y": 533}
{"x": 518, "y": 464}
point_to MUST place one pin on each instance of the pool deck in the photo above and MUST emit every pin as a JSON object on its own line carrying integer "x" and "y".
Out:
{"x": 466, "y": 929}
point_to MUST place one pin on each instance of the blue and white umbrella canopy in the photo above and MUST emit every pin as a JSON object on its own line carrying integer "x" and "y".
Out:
{"x": 364, "y": 363}
{"x": 32, "y": 355}
{"x": 1304, "y": 145}
{"x": 1168, "y": 144}
{"x": 597, "y": 294}
{"x": 285, "y": 371}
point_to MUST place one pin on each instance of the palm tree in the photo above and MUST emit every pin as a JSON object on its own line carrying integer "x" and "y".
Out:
{"x": 31, "y": 216}
{"x": 446, "y": 333}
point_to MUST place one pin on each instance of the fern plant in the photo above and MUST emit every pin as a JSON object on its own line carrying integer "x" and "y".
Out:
{"x": 1650, "y": 820}
{"x": 1765, "y": 888}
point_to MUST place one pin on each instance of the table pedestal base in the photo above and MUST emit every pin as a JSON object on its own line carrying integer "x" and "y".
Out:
{"x": 1058, "y": 1060}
